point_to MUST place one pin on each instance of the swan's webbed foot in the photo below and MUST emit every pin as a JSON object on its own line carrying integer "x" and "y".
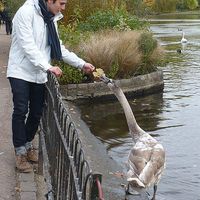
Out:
{"x": 128, "y": 192}
{"x": 154, "y": 192}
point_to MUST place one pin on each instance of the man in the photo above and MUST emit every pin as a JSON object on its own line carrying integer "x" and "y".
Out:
{"x": 34, "y": 43}
{"x": 7, "y": 19}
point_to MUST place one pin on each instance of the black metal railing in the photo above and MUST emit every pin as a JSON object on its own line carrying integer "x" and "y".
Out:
{"x": 62, "y": 160}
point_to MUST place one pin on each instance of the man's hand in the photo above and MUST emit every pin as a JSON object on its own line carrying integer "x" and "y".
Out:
{"x": 56, "y": 70}
{"x": 88, "y": 68}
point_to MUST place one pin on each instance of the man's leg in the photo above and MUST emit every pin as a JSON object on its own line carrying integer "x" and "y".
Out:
{"x": 10, "y": 27}
{"x": 35, "y": 112}
{"x": 20, "y": 90}
{"x": 7, "y": 27}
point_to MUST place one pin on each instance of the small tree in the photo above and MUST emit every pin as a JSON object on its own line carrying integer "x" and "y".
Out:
{"x": 13, "y": 6}
{"x": 191, "y": 4}
{"x": 1, "y": 6}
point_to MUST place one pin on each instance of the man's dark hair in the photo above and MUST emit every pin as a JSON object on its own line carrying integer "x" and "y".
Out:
{"x": 53, "y": 0}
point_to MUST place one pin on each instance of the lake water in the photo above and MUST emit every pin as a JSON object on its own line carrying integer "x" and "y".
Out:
{"x": 173, "y": 117}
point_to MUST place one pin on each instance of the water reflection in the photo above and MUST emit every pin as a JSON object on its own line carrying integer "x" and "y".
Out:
{"x": 112, "y": 115}
{"x": 172, "y": 117}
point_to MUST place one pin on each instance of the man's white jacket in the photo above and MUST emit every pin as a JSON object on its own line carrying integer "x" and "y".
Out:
{"x": 29, "y": 57}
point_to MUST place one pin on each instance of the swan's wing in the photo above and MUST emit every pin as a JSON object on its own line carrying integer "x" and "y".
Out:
{"x": 137, "y": 159}
{"x": 146, "y": 164}
{"x": 152, "y": 171}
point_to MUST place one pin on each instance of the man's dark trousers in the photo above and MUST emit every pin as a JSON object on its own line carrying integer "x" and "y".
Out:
{"x": 28, "y": 100}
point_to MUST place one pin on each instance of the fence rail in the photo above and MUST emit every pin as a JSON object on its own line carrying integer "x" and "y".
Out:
{"x": 62, "y": 159}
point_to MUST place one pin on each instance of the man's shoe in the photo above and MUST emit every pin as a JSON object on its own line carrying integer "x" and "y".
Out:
{"x": 22, "y": 164}
{"x": 32, "y": 155}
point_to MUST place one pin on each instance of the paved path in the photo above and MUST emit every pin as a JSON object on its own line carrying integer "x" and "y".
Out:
{"x": 13, "y": 185}
{"x": 7, "y": 160}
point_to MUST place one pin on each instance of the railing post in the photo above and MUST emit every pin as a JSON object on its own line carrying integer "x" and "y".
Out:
{"x": 96, "y": 190}
{"x": 40, "y": 156}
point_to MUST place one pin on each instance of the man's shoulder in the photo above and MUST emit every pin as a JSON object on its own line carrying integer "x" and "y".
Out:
{"x": 27, "y": 7}
{"x": 25, "y": 10}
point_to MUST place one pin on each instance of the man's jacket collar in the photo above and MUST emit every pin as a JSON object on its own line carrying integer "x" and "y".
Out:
{"x": 57, "y": 17}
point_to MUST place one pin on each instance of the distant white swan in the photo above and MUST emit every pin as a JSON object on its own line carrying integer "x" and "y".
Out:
{"x": 183, "y": 40}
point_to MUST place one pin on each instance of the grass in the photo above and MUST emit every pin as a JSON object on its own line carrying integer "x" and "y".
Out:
{"x": 121, "y": 54}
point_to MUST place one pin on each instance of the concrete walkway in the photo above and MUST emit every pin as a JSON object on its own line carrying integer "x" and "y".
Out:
{"x": 7, "y": 160}
{"x": 13, "y": 185}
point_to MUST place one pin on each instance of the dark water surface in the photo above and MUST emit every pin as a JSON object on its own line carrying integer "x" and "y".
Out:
{"x": 173, "y": 117}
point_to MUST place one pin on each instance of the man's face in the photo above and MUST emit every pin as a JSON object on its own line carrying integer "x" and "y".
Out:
{"x": 57, "y": 6}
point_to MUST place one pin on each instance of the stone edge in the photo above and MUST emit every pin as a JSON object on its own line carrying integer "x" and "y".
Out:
{"x": 139, "y": 85}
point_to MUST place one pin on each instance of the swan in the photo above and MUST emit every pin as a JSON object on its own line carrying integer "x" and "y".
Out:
{"x": 146, "y": 160}
{"x": 183, "y": 40}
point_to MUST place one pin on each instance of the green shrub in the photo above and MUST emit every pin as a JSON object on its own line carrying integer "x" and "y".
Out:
{"x": 100, "y": 20}
{"x": 180, "y": 5}
{"x": 152, "y": 54}
{"x": 147, "y": 44}
{"x": 164, "y": 5}
{"x": 70, "y": 74}
{"x": 88, "y": 7}
{"x": 138, "y": 7}
{"x": 1, "y": 6}
{"x": 13, "y": 6}
{"x": 191, "y": 4}
{"x": 110, "y": 20}
{"x": 187, "y": 4}
{"x": 71, "y": 36}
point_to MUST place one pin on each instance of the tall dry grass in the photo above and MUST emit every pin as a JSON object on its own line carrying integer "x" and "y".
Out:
{"x": 127, "y": 53}
{"x": 100, "y": 49}
{"x": 113, "y": 49}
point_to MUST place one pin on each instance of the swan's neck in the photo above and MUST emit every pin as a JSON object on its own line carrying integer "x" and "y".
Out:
{"x": 134, "y": 128}
{"x": 183, "y": 35}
